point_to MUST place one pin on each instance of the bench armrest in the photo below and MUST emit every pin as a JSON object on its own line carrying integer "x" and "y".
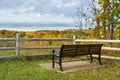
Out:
{"x": 55, "y": 53}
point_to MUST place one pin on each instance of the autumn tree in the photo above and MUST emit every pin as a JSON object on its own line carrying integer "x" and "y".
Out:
{"x": 86, "y": 16}
{"x": 109, "y": 16}
{"x": 103, "y": 15}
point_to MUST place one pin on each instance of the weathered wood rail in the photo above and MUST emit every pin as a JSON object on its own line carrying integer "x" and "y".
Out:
{"x": 18, "y": 47}
{"x": 108, "y": 41}
{"x": 102, "y": 41}
{"x": 104, "y": 48}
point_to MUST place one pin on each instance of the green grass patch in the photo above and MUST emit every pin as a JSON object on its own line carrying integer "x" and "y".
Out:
{"x": 7, "y": 52}
{"x": 25, "y": 52}
{"x": 30, "y": 70}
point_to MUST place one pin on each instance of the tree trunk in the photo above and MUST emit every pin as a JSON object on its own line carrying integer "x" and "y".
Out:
{"x": 105, "y": 33}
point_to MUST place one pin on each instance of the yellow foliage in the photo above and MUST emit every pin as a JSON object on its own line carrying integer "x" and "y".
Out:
{"x": 101, "y": 34}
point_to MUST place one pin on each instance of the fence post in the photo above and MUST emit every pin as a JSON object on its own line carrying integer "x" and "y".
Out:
{"x": 18, "y": 45}
{"x": 74, "y": 37}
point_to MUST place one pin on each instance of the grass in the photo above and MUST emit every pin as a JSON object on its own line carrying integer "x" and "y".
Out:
{"x": 25, "y": 52}
{"x": 30, "y": 70}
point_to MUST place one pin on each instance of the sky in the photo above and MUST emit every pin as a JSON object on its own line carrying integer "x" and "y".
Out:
{"x": 38, "y": 10}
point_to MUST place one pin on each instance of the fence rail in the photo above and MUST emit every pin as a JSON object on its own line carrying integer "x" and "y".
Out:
{"x": 7, "y": 48}
{"x": 110, "y": 48}
{"x": 7, "y": 39}
{"x": 46, "y": 39}
{"x": 74, "y": 40}
{"x": 108, "y": 41}
{"x": 45, "y": 47}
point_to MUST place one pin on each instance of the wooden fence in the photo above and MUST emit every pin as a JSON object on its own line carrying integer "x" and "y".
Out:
{"x": 104, "y": 48}
{"x": 18, "y": 47}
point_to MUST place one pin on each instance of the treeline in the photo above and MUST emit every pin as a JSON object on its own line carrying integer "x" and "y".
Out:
{"x": 89, "y": 33}
{"x": 86, "y": 34}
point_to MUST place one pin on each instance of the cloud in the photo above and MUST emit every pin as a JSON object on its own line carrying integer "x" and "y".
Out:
{"x": 31, "y": 8}
{"x": 38, "y": 9}
{"x": 2, "y": 11}
{"x": 41, "y": 6}
{"x": 26, "y": 10}
{"x": 62, "y": 5}
{"x": 9, "y": 4}
{"x": 62, "y": 15}
{"x": 38, "y": 15}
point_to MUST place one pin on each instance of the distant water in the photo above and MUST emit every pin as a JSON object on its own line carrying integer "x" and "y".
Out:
{"x": 35, "y": 26}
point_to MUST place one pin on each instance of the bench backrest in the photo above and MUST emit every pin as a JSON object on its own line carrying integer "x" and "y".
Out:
{"x": 83, "y": 49}
{"x": 68, "y": 50}
{"x": 95, "y": 48}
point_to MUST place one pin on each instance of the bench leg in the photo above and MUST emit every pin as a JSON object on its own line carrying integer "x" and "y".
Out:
{"x": 61, "y": 69}
{"x": 53, "y": 62}
{"x": 91, "y": 58}
{"x": 99, "y": 58}
{"x": 60, "y": 63}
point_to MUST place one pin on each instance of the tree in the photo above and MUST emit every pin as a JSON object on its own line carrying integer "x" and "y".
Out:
{"x": 82, "y": 16}
{"x": 90, "y": 15}
{"x": 103, "y": 15}
{"x": 109, "y": 16}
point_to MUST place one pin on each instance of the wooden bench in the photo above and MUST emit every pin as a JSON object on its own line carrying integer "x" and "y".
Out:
{"x": 76, "y": 50}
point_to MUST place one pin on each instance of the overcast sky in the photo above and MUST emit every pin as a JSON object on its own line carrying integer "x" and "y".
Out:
{"x": 38, "y": 10}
